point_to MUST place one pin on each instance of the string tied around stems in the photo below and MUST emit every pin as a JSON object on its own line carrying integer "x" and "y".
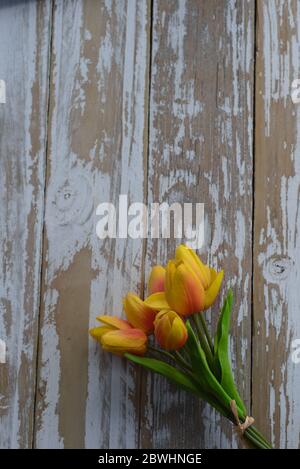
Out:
{"x": 242, "y": 427}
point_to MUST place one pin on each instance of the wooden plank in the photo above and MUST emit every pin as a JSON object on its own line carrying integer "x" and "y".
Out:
{"x": 24, "y": 39}
{"x": 276, "y": 378}
{"x": 201, "y": 125}
{"x": 99, "y": 89}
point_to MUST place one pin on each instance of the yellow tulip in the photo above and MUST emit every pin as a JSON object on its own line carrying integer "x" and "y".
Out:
{"x": 112, "y": 323}
{"x": 209, "y": 277}
{"x": 118, "y": 336}
{"x": 170, "y": 330}
{"x": 156, "y": 282}
{"x": 125, "y": 341}
{"x": 138, "y": 313}
{"x": 184, "y": 291}
{"x": 190, "y": 286}
{"x": 190, "y": 258}
{"x": 212, "y": 292}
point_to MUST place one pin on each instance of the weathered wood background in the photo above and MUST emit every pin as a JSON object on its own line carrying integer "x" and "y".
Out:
{"x": 163, "y": 100}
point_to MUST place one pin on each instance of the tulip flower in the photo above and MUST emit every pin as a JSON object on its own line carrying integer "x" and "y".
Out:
{"x": 112, "y": 323}
{"x": 156, "y": 282}
{"x": 138, "y": 313}
{"x": 190, "y": 258}
{"x": 210, "y": 279}
{"x": 170, "y": 330}
{"x": 119, "y": 337}
{"x": 129, "y": 341}
{"x": 202, "y": 366}
{"x": 190, "y": 286}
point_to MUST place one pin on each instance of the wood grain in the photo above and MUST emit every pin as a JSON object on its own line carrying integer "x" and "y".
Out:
{"x": 201, "y": 124}
{"x": 97, "y": 150}
{"x": 153, "y": 99}
{"x": 276, "y": 397}
{"x": 24, "y": 44}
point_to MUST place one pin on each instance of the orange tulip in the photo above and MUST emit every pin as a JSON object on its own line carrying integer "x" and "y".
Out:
{"x": 112, "y": 323}
{"x": 156, "y": 282}
{"x": 184, "y": 292}
{"x": 118, "y": 336}
{"x": 170, "y": 330}
{"x": 129, "y": 341}
{"x": 190, "y": 258}
{"x": 190, "y": 287}
{"x": 138, "y": 314}
{"x": 209, "y": 277}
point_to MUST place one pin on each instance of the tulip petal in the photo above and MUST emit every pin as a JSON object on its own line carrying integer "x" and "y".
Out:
{"x": 162, "y": 327}
{"x": 178, "y": 335}
{"x": 213, "y": 290}
{"x": 190, "y": 258}
{"x": 157, "y": 301}
{"x": 122, "y": 341}
{"x": 187, "y": 294}
{"x": 98, "y": 332}
{"x": 114, "y": 322}
{"x": 170, "y": 272}
{"x": 170, "y": 330}
{"x": 156, "y": 282}
{"x": 138, "y": 313}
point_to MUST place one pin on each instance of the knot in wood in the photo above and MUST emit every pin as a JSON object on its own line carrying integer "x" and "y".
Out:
{"x": 73, "y": 201}
{"x": 280, "y": 267}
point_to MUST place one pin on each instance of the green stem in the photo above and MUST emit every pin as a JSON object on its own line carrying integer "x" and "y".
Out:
{"x": 161, "y": 352}
{"x": 175, "y": 357}
{"x": 185, "y": 353}
{"x": 206, "y": 332}
{"x": 203, "y": 342}
{"x": 182, "y": 361}
{"x": 251, "y": 437}
{"x": 251, "y": 433}
{"x": 260, "y": 436}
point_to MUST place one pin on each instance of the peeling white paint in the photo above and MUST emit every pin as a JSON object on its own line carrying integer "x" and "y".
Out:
{"x": 2, "y": 92}
{"x": 225, "y": 237}
{"x": 21, "y": 222}
{"x": 75, "y": 188}
{"x": 279, "y": 242}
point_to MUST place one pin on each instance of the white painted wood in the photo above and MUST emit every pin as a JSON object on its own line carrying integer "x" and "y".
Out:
{"x": 276, "y": 396}
{"x": 24, "y": 41}
{"x": 201, "y": 127}
{"x": 200, "y": 150}
{"x": 2, "y": 351}
{"x": 2, "y": 92}
{"x": 99, "y": 85}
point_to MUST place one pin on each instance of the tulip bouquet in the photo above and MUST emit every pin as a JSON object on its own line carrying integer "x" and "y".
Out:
{"x": 167, "y": 334}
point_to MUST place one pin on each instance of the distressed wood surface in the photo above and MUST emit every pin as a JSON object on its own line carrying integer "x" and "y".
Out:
{"x": 201, "y": 151}
{"x": 97, "y": 150}
{"x": 24, "y": 46}
{"x": 276, "y": 397}
{"x": 158, "y": 100}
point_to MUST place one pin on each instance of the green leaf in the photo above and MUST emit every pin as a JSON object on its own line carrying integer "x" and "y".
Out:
{"x": 202, "y": 371}
{"x": 227, "y": 306}
{"x": 198, "y": 358}
{"x": 177, "y": 377}
{"x": 222, "y": 361}
{"x": 163, "y": 368}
